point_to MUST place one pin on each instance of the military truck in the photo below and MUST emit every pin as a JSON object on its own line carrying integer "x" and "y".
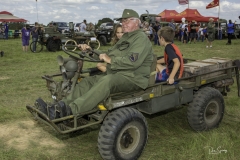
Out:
{"x": 150, "y": 18}
{"x": 237, "y": 28}
{"x": 49, "y": 37}
{"x": 124, "y": 131}
{"x": 105, "y": 31}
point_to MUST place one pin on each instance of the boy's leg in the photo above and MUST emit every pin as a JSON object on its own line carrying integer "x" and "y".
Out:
{"x": 161, "y": 76}
{"x": 160, "y": 68}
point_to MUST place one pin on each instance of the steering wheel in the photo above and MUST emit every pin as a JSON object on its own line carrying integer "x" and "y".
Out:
{"x": 82, "y": 55}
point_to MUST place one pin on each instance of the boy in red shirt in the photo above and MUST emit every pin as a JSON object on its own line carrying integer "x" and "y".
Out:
{"x": 172, "y": 58}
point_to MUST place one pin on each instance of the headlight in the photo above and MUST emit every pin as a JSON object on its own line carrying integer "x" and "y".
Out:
{"x": 46, "y": 35}
{"x": 62, "y": 69}
{"x": 108, "y": 32}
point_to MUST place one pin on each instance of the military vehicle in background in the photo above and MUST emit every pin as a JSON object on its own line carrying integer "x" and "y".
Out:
{"x": 49, "y": 37}
{"x": 105, "y": 33}
{"x": 237, "y": 28}
{"x": 150, "y": 18}
{"x": 75, "y": 38}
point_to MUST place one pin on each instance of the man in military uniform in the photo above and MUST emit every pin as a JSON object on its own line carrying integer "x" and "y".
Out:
{"x": 128, "y": 69}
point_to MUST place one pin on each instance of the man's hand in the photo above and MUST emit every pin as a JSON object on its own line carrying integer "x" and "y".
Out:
{"x": 84, "y": 47}
{"x": 170, "y": 80}
{"x": 105, "y": 58}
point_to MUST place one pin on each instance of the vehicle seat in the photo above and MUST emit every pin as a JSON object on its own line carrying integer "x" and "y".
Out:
{"x": 153, "y": 71}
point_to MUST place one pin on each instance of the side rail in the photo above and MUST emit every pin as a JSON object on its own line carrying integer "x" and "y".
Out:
{"x": 155, "y": 90}
{"x": 60, "y": 124}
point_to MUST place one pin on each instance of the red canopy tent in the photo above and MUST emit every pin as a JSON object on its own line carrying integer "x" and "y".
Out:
{"x": 9, "y": 17}
{"x": 167, "y": 13}
{"x": 190, "y": 15}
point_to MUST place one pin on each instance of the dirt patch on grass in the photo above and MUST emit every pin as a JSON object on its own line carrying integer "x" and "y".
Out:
{"x": 24, "y": 135}
{"x": 4, "y": 77}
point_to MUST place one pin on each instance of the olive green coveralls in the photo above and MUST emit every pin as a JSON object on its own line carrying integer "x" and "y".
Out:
{"x": 131, "y": 59}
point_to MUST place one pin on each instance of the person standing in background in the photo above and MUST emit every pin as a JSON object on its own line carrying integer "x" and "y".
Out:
{"x": 83, "y": 26}
{"x": 155, "y": 29}
{"x": 210, "y": 33}
{"x": 35, "y": 35}
{"x": 230, "y": 31}
{"x": 6, "y": 30}
{"x": 220, "y": 32}
{"x": 25, "y": 37}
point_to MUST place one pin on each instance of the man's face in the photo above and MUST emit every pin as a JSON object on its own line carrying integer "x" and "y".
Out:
{"x": 129, "y": 24}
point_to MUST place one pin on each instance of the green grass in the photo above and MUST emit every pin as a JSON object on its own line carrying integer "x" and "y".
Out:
{"x": 170, "y": 136}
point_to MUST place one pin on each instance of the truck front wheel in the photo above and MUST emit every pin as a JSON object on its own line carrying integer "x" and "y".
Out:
{"x": 207, "y": 109}
{"x": 103, "y": 40}
{"x": 123, "y": 135}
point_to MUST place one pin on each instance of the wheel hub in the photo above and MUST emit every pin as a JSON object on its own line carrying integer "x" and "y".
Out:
{"x": 211, "y": 112}
{"x": 126, "y": 139}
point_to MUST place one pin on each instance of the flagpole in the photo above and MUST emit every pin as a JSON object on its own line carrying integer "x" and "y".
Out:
{"x": 218, "y": 17}
{"x": 37, "y": 11}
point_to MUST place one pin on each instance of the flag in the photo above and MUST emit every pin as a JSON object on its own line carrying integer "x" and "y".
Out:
{"x": 214, "y": 3}
{"x": 182, "y": 2}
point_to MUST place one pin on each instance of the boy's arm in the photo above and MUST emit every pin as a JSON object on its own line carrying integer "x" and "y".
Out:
{"x": 161, "y": 61}
{"x": 174, "y": 70}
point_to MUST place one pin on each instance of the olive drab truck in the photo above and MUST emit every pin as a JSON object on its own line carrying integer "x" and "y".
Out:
{"x": 124, "y": 131}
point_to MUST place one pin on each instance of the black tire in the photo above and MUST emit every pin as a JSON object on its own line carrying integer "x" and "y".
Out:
{"x": 207, "y": 109}
{"x": 40, "y": 105}
{"x": 52, "y": 45}
{"x": 59, "y": 44}
{"x": 39, "y": 47}
{"x": 103, "y": 40}
{"x": 123, "y": 135}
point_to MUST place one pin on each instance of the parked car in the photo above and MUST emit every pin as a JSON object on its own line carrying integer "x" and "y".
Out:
{"x": 76, "y": 27}
{"x": 108, "y": 25}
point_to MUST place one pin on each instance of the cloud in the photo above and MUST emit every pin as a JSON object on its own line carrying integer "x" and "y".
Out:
{"x": 93, "y": 10}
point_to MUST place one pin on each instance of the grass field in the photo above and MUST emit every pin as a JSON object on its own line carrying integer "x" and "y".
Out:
{"x": 170, "y": 136}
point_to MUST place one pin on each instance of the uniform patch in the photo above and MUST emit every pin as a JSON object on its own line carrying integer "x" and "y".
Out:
{"x": 133, "y": 57}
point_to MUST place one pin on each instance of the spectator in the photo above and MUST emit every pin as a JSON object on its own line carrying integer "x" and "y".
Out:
{"x": 151, "y": 32}
{"x": 210, "y": 33}
{"x": 35, "y": 35}
{"x": 82, "y": 26}
{"x": 205, "y": 33}
{"x": 230, "y": 31}
{"x": 25, "y": 37}
{"x": 146, "y": 29}
{"x": 90, "y": 27}
{"x": 200, "y": 34}
{"x": 6, "y": 30}
{"x": 183, "y": 30}
{"x": 193, "y": 31}
{"x": 220, "y": 32}
{"x": 185, "y": 34}
{"x": 155, "y": 29}
{"x": 172, "y": 25}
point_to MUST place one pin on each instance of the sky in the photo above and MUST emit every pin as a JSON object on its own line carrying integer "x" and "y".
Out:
{"x": 45, "y": 11}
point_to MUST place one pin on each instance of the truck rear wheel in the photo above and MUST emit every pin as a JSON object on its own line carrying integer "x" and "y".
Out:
{"x": 123, "y": 135}
{"x": 207, "y": 109}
